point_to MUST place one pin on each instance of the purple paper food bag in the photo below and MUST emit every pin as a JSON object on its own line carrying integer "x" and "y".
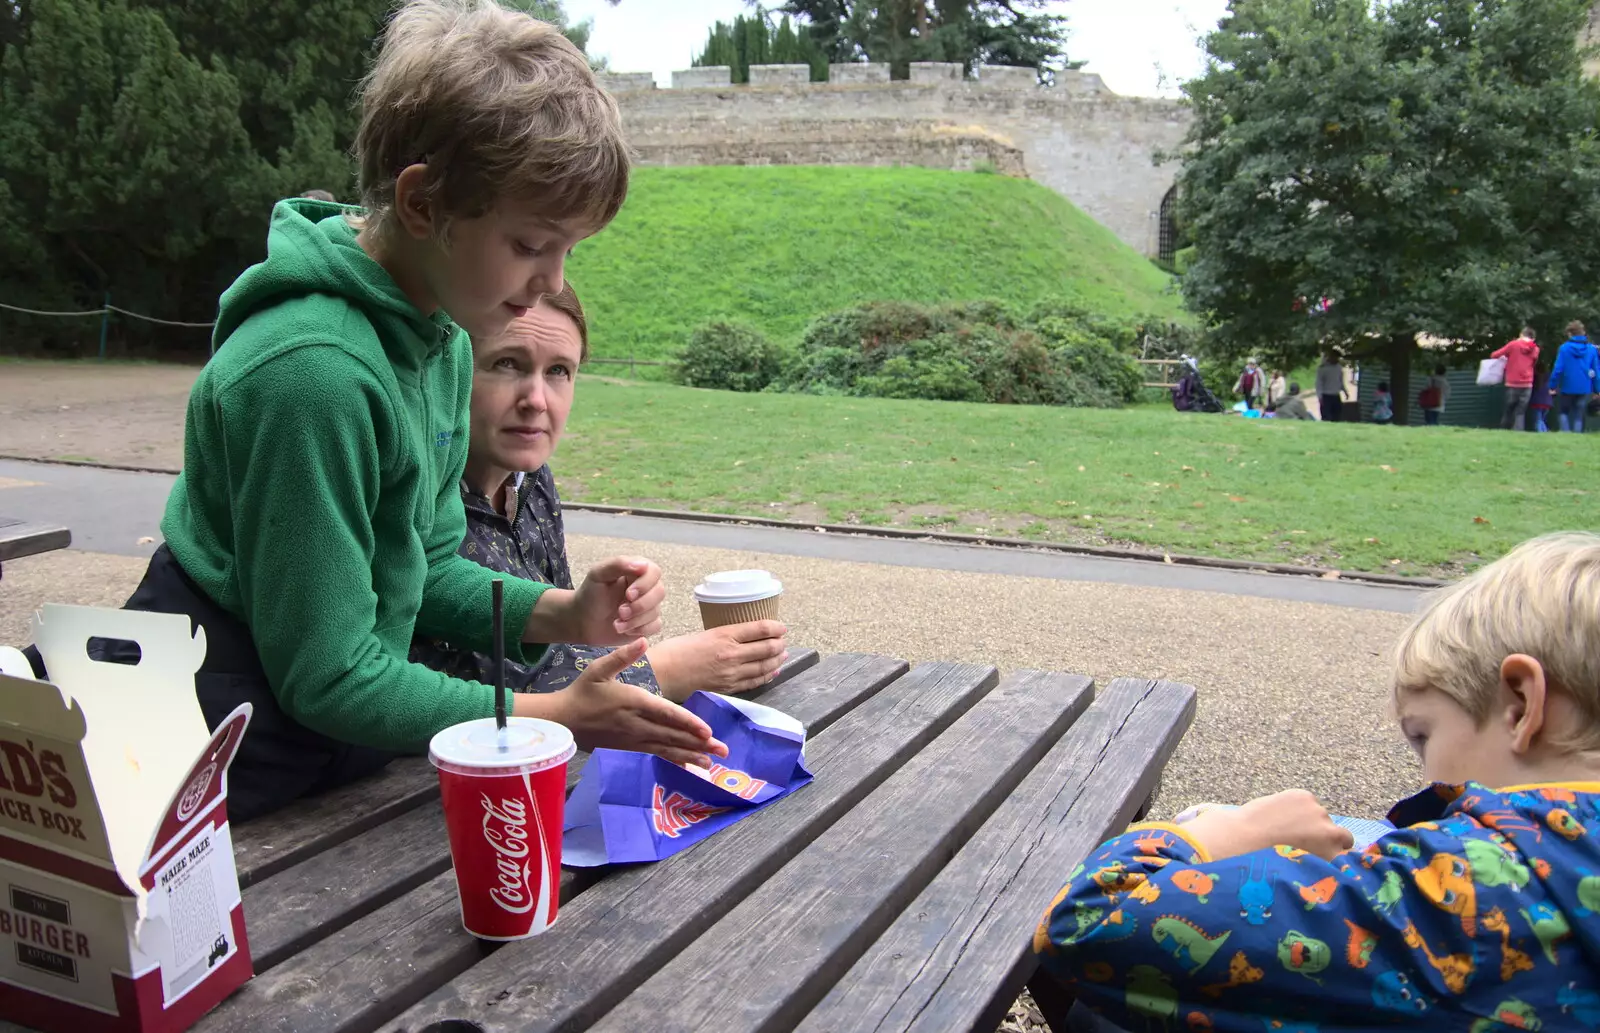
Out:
{"x": 631, "y": 807}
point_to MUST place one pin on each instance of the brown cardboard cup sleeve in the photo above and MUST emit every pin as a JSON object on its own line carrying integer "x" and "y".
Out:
{"x": 736, "y": 596}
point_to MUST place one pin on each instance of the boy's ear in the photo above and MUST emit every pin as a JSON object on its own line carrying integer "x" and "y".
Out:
{"x": 413, "y": 209}
{"x": 1523, "y": 693}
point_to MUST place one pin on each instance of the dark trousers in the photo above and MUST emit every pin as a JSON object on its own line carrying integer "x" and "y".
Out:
{"x": 280, "y": 759}
{"x": 1061, "y": 1009}
{"x": 1332, "y": 407}
{"x": 1516, "y": 412}
{"x": 1430, "y": 417}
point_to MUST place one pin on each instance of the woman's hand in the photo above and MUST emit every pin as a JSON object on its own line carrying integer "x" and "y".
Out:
{"x": 603, "y": 712}
{"x": 731, "y": 659}
{"x": 619, "y": 600}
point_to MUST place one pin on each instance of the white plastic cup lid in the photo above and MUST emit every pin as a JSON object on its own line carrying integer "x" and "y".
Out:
{"x": 531, "y": 744}
{"x": 737, "y": 586}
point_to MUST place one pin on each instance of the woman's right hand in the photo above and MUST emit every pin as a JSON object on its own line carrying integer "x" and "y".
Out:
{"x": 603, "y": 712}
{"x": 731, "y": 659}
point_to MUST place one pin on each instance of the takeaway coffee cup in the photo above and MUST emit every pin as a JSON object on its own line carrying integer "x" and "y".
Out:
{"x": 503, "y": 800}
{"x": 736, "y": 596}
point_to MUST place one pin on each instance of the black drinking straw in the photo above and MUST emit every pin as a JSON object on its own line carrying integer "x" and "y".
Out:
{"x": 498, "y": 590}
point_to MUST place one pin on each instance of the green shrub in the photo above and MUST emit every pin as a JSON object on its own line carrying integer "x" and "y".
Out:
{"x": 983, "y": 351}
{"x": 1099, "y": 368}
{"x": 729, "y": 357}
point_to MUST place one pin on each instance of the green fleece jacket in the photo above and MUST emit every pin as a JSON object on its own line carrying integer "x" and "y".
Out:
{"x": 319, "y": 498}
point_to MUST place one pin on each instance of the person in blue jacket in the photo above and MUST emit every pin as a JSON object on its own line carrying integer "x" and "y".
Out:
{"x": 1480, "y": 912}
{"x": 1577, "y": 368}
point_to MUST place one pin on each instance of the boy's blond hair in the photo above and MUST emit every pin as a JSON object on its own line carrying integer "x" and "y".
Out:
{"x": 1541, "y": 599}
{"x": 498, "y": 105}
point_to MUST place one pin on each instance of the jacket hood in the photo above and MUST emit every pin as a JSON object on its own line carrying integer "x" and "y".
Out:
{"x": 312, "y": 249}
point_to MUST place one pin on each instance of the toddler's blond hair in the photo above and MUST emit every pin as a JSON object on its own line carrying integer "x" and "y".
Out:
{"x": 498, "y": 105}
{"x": 1541, "y": 599}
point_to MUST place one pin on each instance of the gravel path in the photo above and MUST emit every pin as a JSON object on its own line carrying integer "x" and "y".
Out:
{"x": 128, "y": 414}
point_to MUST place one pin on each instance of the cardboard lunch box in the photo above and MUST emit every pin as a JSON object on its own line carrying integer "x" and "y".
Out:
{"x": 119, "y": 901}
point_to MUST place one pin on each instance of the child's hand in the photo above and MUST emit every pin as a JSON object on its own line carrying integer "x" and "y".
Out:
{"x": 602, "y": 711}
{"x": 1290, "y": 818}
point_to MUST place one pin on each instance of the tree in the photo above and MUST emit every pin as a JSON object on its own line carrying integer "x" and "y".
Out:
{"x": 143, "y": 143}
{"x": 1426, "y": 166}
{"x": 973, "y": 32}
{"x": 754, "y": 40}
{"x": 125, "y": 164}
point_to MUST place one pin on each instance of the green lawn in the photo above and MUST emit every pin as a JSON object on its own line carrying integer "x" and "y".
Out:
{"x": 1408, "y": 501}
{"x": 777, "y": 246}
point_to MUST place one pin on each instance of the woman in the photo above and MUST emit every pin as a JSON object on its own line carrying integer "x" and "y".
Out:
{"x": 522, "y": 390}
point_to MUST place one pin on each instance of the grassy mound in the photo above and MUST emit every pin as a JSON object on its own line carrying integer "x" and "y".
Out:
{"x": 776, "y": 246}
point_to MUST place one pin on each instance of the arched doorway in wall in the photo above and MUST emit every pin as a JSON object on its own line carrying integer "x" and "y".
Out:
{"x": 1167, "y": 226}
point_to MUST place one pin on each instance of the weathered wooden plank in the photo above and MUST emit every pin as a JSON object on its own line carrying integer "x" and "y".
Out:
{"x": 821, "y": 692}
{"x": 958, "y": 956}
{"x": 369, "y": 971}
{"x": 800, "y": 659}
{"x": 19, "y": 539}
{"x": 776, "y": 953}
{"x": 366, "y": 973}
{"x": 635, "y": 921}
{"x": 276, "y": 842}
{"x": 268, "y": 845}
{"x": 284, "y": 912}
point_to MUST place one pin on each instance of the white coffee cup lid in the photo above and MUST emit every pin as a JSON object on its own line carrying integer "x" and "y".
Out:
{"x": 737, "y": 586}
{"x": 531, "y": 744}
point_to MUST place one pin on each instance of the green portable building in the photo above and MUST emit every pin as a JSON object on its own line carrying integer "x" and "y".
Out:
{"x": 1470, "y": 404}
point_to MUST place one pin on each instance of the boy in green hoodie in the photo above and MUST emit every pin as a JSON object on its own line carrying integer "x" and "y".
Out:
{"x": 315, "y": 525}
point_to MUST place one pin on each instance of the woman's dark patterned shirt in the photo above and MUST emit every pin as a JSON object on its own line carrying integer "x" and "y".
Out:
{"x": 528, "y": 542}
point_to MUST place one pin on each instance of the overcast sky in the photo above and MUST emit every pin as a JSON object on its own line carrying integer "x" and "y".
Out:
{"x": 1140, "y": 47}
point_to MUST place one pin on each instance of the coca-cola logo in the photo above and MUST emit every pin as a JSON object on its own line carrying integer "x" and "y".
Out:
{"x": 505, "y": 828}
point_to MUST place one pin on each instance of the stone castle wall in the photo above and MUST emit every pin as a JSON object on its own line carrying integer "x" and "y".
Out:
{"x": 1093, "y": 146}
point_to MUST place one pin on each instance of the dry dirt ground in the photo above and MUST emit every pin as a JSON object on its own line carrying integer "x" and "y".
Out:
{"x": 126, "y": 414}
{"x": 1291, "y": 694}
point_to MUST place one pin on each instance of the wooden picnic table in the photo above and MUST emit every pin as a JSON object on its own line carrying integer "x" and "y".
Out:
{"x": 898, "y": 891}
{"x": 18, "y": 538}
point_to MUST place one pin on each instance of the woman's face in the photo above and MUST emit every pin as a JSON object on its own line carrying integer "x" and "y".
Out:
{"x": 522, "y": 382}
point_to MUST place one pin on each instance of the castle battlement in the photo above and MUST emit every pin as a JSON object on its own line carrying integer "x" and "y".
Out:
{"x": 1005, "y": 77}
{"x": 1092, "y": 145}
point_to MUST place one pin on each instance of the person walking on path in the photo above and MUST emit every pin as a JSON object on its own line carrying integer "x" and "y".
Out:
{"x": 1252, "y": 384}
{"x": 1577, "y": 367}
{"x": 1434, "y": 396}
{"x": 1521, "y": 355}
{"x": 1330, "y": 387}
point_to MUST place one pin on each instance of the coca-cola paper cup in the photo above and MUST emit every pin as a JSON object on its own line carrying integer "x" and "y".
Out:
{"x": 503, "y": 799}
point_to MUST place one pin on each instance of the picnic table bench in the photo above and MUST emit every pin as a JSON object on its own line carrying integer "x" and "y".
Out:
{"x": 898, "y": 891}
{"x": 18, "y": 538}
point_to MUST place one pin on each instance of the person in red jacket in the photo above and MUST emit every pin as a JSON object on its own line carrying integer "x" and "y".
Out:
{"x": 1521, "y": 355}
